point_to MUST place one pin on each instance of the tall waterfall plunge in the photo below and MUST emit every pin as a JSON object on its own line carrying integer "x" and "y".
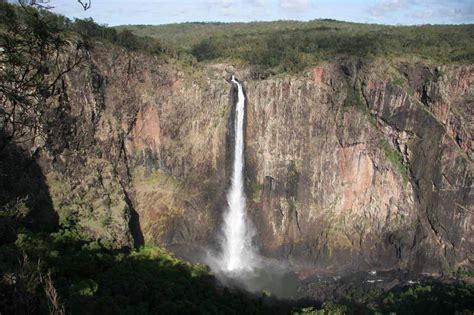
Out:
{"x": 238, "y": 253}
{"x": 238, "y": 263}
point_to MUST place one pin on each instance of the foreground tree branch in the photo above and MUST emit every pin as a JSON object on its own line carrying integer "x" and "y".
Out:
{"x": 35, "y": 56}
{"x": 43, "y": 4}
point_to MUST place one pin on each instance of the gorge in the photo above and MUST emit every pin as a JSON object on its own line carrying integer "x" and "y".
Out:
{"x": 346, "y": 130}
{"x": 283, "y": 182}
{"x": 350, "y": 166}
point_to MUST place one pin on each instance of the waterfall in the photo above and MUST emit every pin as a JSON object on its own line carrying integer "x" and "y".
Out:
{"x": 238, "y": 263}
{"x": 238, "y": 254}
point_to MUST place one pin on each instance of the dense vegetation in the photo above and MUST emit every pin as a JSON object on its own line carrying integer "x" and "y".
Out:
{"x": 64, "y": 271}
{"x": 89, "y": 29}
{"x": 291, "y": 45}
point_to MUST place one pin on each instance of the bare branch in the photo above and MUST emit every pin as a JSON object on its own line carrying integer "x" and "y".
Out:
{"x": 37, "y": 3}
{"x": 55, "y": 307}
{"x": 43, "y": 4}
{"x": 32, "y": 62}
{"x": 85, "y": 4}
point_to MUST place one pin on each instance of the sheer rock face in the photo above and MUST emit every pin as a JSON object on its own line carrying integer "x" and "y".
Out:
{"x": 329, "y": 196}
{"x": 139, "y": 153}
{"x": 348, "y": 166}
{"x": 439, "y": 153}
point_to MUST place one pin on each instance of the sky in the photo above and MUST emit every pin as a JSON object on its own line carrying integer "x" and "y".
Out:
{"x": 119, "y": 12}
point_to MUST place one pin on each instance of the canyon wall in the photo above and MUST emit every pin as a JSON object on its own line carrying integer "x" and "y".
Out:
{"x": 364, "y": 165}
{"x": 349, "y": 165}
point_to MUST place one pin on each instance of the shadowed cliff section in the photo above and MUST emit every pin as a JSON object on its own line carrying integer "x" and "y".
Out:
{"x": 24, "y": 197}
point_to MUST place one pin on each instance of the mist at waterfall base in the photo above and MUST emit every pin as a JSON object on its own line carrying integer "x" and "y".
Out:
{"x": 239, "y": 264}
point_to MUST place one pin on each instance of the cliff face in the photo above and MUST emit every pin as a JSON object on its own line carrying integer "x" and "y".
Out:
{"x": 349, "y": 165}
{"x": 329, "y": 194}
{"x": 364, "y": 165}
{"x": 432, "y": 129}
{"x": 139, "y": 153}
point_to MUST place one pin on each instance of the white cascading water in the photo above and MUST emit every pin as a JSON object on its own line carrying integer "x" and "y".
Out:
{"x": 238, "y": 254}
{"x": 239, "y": 262}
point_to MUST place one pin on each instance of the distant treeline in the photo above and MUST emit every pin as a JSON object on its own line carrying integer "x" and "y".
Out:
{"x": 90, "y": 29}
{"x": 292, "y": 50}
{"x": 291, "y": 45}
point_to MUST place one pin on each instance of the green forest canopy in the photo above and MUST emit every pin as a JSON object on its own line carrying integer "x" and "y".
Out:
{"x": 294, "y": 44}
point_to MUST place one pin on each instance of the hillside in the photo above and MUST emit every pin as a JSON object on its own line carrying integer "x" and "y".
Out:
{"x": 292, "y": 45}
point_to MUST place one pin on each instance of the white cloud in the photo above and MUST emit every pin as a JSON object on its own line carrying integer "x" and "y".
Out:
{"x": 464, "y": 11}
{"x": 221, "y": 3}
{"x": 259, "y": 3}
{"x": 423, "y": 15}
{"x": 426, "y": 9}
{"x": 386, "y": 6}
{"x": 294, "y": 4}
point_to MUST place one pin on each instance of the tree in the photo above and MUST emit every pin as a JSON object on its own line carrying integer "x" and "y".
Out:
{"x": 128, "y": 40}
{"x": 34, "y": 57}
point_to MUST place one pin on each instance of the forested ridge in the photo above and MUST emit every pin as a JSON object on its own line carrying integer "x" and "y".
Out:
{"x": 293, "y": 45}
